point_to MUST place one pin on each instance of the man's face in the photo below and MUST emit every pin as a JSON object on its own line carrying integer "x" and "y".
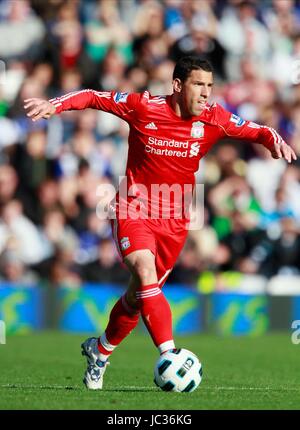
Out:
{"x": 193, "y": 94}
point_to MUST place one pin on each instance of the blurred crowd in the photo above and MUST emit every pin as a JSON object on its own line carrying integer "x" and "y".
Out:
{"x": 50, "y": 170}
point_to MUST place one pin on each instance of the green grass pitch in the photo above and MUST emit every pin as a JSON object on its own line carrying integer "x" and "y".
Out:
{"x": 44, "y": 371}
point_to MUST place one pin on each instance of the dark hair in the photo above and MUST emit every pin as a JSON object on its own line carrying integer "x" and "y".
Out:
{"x": 185, "y": 65}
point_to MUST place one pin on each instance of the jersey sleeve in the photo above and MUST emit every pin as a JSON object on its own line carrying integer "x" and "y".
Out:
{"x": 122, "y": 105}
{"x": 238, "y": 128}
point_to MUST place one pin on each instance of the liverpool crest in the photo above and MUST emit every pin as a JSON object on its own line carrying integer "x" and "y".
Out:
{"x": 125, "y": 243}
{"x": 197, "y": 129}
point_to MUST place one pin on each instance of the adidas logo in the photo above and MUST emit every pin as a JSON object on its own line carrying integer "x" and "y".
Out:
{"x": 151, "y": 125}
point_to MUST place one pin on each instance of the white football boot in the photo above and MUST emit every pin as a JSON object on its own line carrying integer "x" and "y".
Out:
{"x": 93, "y": 377}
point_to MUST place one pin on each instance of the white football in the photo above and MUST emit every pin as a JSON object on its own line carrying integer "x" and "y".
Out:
{"x": 178, "y": 370}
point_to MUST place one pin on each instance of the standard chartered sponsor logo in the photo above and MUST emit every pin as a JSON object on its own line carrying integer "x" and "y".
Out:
{"x": 168, "y": 152}
{"x": 195, "y": 147}
{"x": 161, "y": 147}
{"x": 168, "y": 143}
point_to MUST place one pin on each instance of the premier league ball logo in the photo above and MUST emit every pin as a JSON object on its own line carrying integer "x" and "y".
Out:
{"x": 197, "y": 130}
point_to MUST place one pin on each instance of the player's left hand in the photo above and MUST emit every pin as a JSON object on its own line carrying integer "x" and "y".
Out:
{"x": 39, "y": 108}
{"x": 283, "y": 150}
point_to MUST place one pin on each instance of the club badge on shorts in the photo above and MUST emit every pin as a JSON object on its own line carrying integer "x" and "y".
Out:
{"x": 197, "y": 129}
{"x": 125, "y": 243}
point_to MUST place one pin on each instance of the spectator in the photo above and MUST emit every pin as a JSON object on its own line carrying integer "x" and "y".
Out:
{"x": 56, "y": 233}
{"x": 63, "y": 271}
{"x": 277, "y": 255}
{"x": 236, "y": 245}
{"x": 282, "y": 209}
{"x": 205, "y": 242}
{"x": 17, "y": 232}
{"x": 107, "y": 268}
{"x": 21, "y": 32}
{"x": 290, "y": 182}
{"x": 283, "y": 22}
{"x": 264, "y": 178}
{"x": 240, "y": 95}
{"x": 234, "y": 206}
{"x": 8, "y": 183}
{"x": 200, "y": 41}
{"x": 47, "y": 194}
{"x": 15, "y": 271}
{"x": 68, "y": 197}
{"x": 69, "y": 35}
{"x": 106, "y": 30}
{"x": 187, "y": 268}
{"x": 241, "y": 33}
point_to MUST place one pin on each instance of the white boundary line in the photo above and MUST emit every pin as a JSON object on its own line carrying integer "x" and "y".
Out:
{"x": 76, "y": 387}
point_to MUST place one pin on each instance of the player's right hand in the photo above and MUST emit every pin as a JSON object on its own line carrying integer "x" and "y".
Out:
{"x": 39, "y": 108}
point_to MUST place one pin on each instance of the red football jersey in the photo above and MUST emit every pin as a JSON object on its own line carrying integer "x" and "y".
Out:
{"x": 163, "y": 147}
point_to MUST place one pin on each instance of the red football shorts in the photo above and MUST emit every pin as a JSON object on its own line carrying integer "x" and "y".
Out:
{"x": 163, "y": 237}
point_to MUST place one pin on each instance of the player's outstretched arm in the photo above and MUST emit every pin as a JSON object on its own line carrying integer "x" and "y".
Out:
{"x": 238, "y": 128}
{"x": 120, "y": 104}
{"x": 39, "y": 108}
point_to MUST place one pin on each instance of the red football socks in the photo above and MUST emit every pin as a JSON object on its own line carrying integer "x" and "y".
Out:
{"x": 157, "y": 316}
{"x": 122, "y": 320}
